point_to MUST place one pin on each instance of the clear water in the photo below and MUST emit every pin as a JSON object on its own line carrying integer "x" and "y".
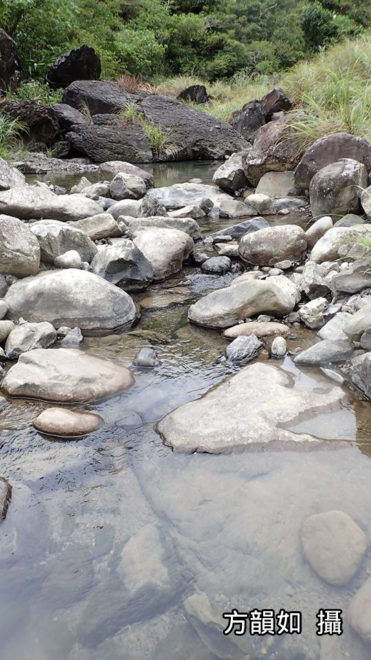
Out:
{"x": 227, "y": 526}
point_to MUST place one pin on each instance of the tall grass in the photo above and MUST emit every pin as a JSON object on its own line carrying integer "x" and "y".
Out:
{"x": 10, "y": 133}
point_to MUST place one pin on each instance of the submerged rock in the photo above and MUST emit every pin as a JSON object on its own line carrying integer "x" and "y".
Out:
{"x": 258, "y": 328}
{"x": 147, "y": 357}
{"x": 67, "y": 422}
{"x": 216, "y": 265}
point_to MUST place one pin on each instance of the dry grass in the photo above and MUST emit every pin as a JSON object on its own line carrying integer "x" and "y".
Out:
{"x": 133, "y": 85}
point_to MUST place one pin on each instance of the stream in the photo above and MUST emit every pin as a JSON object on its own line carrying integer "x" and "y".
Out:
{"x": 225, "y": 528}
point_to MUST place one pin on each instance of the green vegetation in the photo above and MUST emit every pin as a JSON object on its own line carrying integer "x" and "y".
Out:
{"x": 10, "y": 132}
{"x": 158, "y": 140}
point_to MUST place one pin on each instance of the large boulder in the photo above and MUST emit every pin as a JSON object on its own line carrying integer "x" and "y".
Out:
{"x": 181, "y": 195}
{"x": 56, "y": 238}
{"x": 277, "y": 184}
{"x": 354, "y": 278}
{"x": 249, "y": 119}
{"x": 194, "y": 135}
{"x": 9, "y": 176}
{"x": 164, "y": 248}
{"x": 130, "y": 225}
{"x": 268, "y": 246}
{"x": 251, "y": 408}
{"x": 327, "y": 150}
{"x": 274, "y": 149}
{"x": 104, "y": 143}
{"x": 123, "y": 264}
{"x": 194, "y": 94}
{"x": 275, "y": 101}
{"x": 40, "y": 123}
{"x": 338, "y": 241}
{"x": 81, "y": 63}
{"x": 325, "y": 352}
{"x": 19, "y": 248}
{"x": 226, "y": 307}
{"x": 72, "y": 298}
{"x": 98, "y": 96}
{"x": 10, "y": 67}
{"x": 37, "y": 202}
{"x": 127, "y": 186}
{"x": 336, "y": 188}
{"x": 66, "y": 375}
{"x": 230, "y": 176}
{"x": 68, "y": 116}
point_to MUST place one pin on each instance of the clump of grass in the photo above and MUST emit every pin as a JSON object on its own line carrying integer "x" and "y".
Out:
{"x": 85, "y": 111}
{"x": 35, "y": 90}
{"x": 10, "y": 134}
{"x": 130, "y": 113}
{"x": 158, "y": 140}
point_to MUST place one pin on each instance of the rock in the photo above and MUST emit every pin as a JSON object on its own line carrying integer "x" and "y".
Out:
{"x": 271, "y": 151}
{"x": 73, "y": 337}
{"x": 38, "y": 120}
{"x": 131, "y": 225}
{"x": 195, "y": 135}
{"x": 338, "y": 241}
{"x": 40, "y": 163}
{"x": 5, "y": 329}
{"x": 113, "y": 167}
{"x": 123, "y": 264}
{"x": 66, "y": 375}
{"x": 9, "y": 176}
{"x": 249, "y": 119}
{"x": 312, "y": 281}
{"x": 99, "y": 96}
{"x": 147, "y": 357}
{"x": 225, "y": 307}
{"x": 68, "y": 116}
{"x": 165, "y": 249}
{"x": 358, "y": 323}
{"x": 5, "y": 492}
{"x": 10, "y": 68}
{"x": 216, "y": 265}
{"x": 366, "y": 201}
{"x": 71, "y": 297}
{"x": 278, "y": 348}
{"x": 336, "y": 188}
{"x": 184, "y": 194}
{"x": 242, "y": 228}
{"x": 230, "y": 176}
{"x": 360, "y": 373}
{"x": 98, "y": 226}
{"x": 81, "y": 63}
{"x": 318, "y": 229}
{"x": 312, "y": 313}
{"x": 327, "y": 150}
{"x": 267, "y": 246}
{"x": 277, "y": 184}
{"x": 127, "y": 186}
{"x": 36, "y": 202}
{"x": 334, "y": 545}
{"x": 19, "y": 248}
{"x": 92, "y": 190}
{"x": 349, "y": 220}
{"x": 243, "y": 349}
{"x": 354, "y": 278}
{"x": 334, "y": 329}
{"x": 57, "y": 238}
{"x": 70, "y": 259}
{"x": 104, "y": 143}
{"x": 65, "y": 422}
{"x": 275, "y": 101}
{"x": 261, "y": 203}
{"x": 127, "y": 207}
{"x": 248, "y": 409}
{"x": 258, "y": 328}
{"x": 227, "y": 250}
{"x": 324, "y": 352}
{"x": 366, "y": 339}
{"x": 359, "y": 612}
{"x": 191, "y": 211}
{"x": 194, "y": 94}
{"x": 27, "y": 336}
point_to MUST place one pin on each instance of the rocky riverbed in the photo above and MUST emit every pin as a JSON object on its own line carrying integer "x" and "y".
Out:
{"x": 185, "y": 417}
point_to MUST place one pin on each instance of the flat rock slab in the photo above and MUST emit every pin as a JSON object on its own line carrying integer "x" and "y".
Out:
{"x": 66, "y": 375}
{"x": 37, "y": 202}
{"x": 65, "y": 422}
{"x": 334, "y": 546}
{"x": 249, "y": 409}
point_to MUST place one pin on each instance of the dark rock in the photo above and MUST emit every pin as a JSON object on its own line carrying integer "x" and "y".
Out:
{"x": 103, "y": 143}
{"x": 68, "y": 116}
{"x": 42, "y": 164}
{"x": 147, "y": 357}
{"x": 99, "y": 96}
{"x": 242, "y": 228}
{"x": 330, "y": 149}
{"x": 5, "y": 496}
{"x": 194, "y": 94}
{"x": 9, "y": 64}
{"x": 275, "y": 101}
{"x": 248, "y": 120}
{"x": 41, "y": 124}
{"x": 81, "y": 63}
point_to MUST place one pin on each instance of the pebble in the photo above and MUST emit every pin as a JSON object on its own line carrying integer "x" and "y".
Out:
{"x": 279, "y": 347}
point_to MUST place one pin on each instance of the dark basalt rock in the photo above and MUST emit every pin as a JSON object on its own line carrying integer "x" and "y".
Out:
{"x": 194, "y": 94}
{"x": 10, "y": 67}
{"x": 99, "y": 96}
{"x": 248, "y": 120}
{"x": 275, "y": 101}
{"x": 40, "y": 122}
{"x": 68, "y": 116}
{"x": 81, "y": 63}
{"x": 103, "y": 143}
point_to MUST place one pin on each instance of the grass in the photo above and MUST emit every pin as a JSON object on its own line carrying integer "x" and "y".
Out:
{"x": 159, "y": 141}
{"x": 10, "y": 134}
{"x": 35, "y": 90}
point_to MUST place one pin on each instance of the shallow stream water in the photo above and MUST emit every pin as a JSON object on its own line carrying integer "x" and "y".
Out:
{"x": 223, "y": 526}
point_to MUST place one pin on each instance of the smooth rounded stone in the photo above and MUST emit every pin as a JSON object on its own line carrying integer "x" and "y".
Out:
{"x": 267, "y": 246}
{"x": 230, "y": 176}
{"x": 5, "y": 497}
{"x": 278, "y": 347}
{"x": 366, "y": 339}
{"x": 250, "y": 408}
{"x": 71, "y": 297}
{"x": 56, "y": 238}
{"x": 216, "y": 265}
{"x": 91, "y": 190}
{"x": 334, "y": 329}
{"x": 66, "y": 375}
{"x": 349, "y": 220}
{"x": 338, "y": 241}
{"x": 275, "y": 271}
{"x": 98, "y": 226}
{"x": 129, "y": 207}
{"x": 336, "y": 188}
{"x": 286, "y": 264}
{"x": 358, "y": 323}
{"x": 9, "y": 176}
{"x": 260, "y": 329}
{"x": 66, "y": 422}
{"x": 124, "y": 265}
{"x": 127, "y": 186}
{"x": 70, "y": 259}
{"x": 146, "y": 357}
{"x": 360, "y": 612}
{"x": 312, "y": 313}
{"x": 277, "y": 184}
{"x": 366, "y": 201}
{"x": 3, "y": 309}
{"x": 19, "y": 249}
{"x": 165, "y": 249}
{"x": 225, "y": 307}
{"x": 324, "y": 352}
{"x": 72, "y": 337}
{"x": 243, "y": 349}
{"x": 110, "y": 168}
{"x": 261, "y": 203}
{"x": 27, "y": 336}
{"x": 37, "y": 201}
{"x": 334, "y": 545}
{"x": 130, "y": 225}
{"x": 5, "y": 329}
{"x": 230, "y": 250}
{"x": 318, "y": 229}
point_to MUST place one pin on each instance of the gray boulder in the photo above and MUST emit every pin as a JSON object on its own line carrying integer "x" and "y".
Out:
{"x": 230, "y": 176}
{"x": 147, "y": 357}
{"x": 359, "y": 612}
{"x": 243, "y": 349}
{"x": 354, "y": 278}
{"x": 271, "y": 151}
{"x": 318, "y": 229}
{"x": 360, "y": 373}
{"x": 68, "y": 116}
{"x": 312, "y": 281}
{"x": 312, "y": 313}
{"x": 358, "y": 323}
{"x": 336, "y": 188}
{"x": 56, "y": 238}
{"x": 184, "y": 194}
{"x": 277, "y": 184}
{"x": 334, "y": 329}
{"x": 98, "y": 226}
{"x": 127, "y": 186}
{"x": 19, "y": 248}
{"x": 258, "y": 328}
{"x": 9, "y": 176}
{"x": 109, "y": 169}
{"x": 98, "y": 96}
{"x": 164, "y": 248}
{"x": 111, "y": 142}
{"x": 130, "y": 225}
{"x": 325, "y": 352}
{"x": 241, "y": 228}
{"x": 27, "y": 336}
{"x": 36, "y": 202}
{"x": 123, "y": 264}
{"x": 338, "y": 241}
{"x": 268, "y": 246}
{"x": 216, "y": 265}
{"x": 366, "y": 201}
{"x": 70, "y": 259}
